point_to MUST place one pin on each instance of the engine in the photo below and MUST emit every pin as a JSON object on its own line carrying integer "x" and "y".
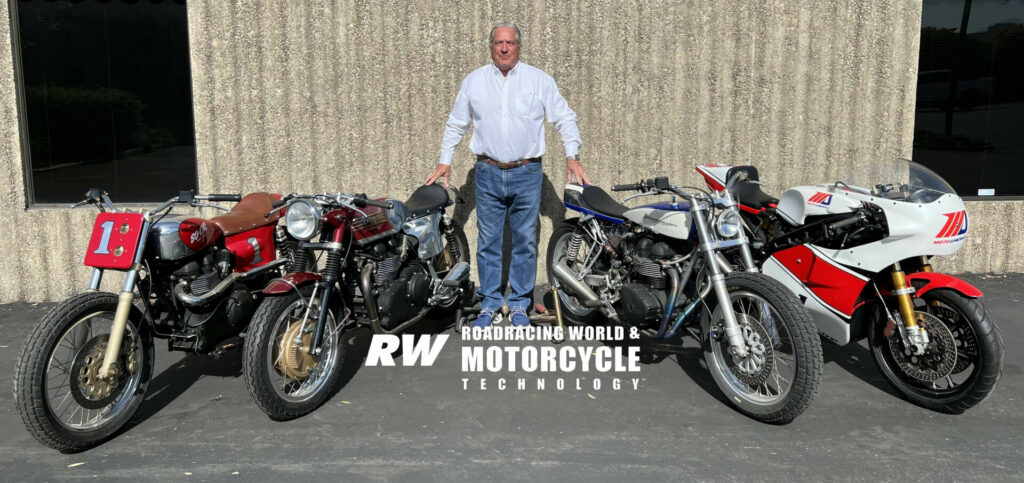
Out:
{"x": 645, "y": 297}
{"x": 401, "y": 291}
{"x": 205, "y": 325}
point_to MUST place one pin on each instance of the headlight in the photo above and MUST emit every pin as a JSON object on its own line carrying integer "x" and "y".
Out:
{"x": 302, "y": 219}
{"x": 728, "y": 224}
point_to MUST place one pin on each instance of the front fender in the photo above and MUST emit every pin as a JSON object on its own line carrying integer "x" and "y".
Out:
{"x": 934, "y": 280}
{"x": 290, "y": 281}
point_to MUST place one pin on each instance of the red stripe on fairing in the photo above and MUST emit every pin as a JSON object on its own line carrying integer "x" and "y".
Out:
{"x": 814, "y": 197}
{"x": 959, "y": 223}
{"x": 945, "y": 228}
{"x": 948, "y": 229}
{"x": 832, "y": 284}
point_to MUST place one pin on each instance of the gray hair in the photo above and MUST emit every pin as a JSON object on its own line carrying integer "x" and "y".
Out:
{"x": 505, "y": 25}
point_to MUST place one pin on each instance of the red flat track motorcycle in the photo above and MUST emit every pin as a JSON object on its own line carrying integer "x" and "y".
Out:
{"x": 85, "y": 367}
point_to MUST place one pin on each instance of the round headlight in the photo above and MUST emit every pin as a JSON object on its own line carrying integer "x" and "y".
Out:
{"x": 728, "y": 224}
{"x": 302, "y": 219}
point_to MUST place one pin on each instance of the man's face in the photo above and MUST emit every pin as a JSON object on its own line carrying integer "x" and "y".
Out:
{"x": 505, "y": 49}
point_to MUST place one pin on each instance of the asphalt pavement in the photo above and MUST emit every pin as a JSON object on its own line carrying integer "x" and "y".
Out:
{"x": 420, "y": 424}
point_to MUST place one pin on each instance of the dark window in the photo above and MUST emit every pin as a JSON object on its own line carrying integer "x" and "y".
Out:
{"x": 969, "y": 123}
{"x": 107, "y": 99}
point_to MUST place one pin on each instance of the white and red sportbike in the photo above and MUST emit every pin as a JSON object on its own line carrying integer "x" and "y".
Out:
{"x": 857, "y": 255}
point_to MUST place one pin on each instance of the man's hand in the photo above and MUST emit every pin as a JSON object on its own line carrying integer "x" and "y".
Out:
{"x": 574, "y": 173}
{"x": 442, "y": 172}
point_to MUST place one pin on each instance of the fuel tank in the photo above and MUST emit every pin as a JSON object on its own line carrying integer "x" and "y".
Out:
{"x": 665, "y": 218}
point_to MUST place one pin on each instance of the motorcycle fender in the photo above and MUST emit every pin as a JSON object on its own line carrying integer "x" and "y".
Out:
{"x": 934, "y": 280}
{"x": 289, "y": 282}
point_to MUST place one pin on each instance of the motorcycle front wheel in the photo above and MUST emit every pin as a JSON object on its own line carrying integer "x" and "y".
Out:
{"x": 57, "y": 390}
{"x": 776, "y": 381}
{"x": 977, "y": 352}
{"x": 284, "y": 379}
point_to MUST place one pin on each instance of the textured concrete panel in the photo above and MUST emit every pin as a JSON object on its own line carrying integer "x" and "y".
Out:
{"x": 352, "y": 96}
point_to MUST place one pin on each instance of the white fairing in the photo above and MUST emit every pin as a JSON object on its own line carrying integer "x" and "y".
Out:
{"x": 675, "y": 224}
{"x": 798, "y": 203}
{"x": 935, "y": 228}
{"x": 829, "y": 323}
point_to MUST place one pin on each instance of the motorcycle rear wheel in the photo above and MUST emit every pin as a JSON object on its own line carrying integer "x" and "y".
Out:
{"x": 780, "y": 333}
{"x": 572, "y": 310}
{"x": 277, "y": 373}
{"x": 979, "y": 355}
{"x": 61, "y": 401}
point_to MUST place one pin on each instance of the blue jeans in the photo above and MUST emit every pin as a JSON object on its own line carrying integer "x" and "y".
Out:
{"x": 514, "y": 193}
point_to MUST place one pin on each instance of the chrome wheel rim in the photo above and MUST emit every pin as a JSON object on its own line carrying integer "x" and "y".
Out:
{"x": 765, "y": 376}
{"x": 69, "y": 352}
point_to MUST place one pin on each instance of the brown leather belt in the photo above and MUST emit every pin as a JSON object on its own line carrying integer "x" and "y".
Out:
{"x": 509, "y": 165}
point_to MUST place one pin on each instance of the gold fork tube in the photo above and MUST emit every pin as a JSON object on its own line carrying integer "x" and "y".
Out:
{"x": 124, "y": 307}
{"x": 900, "y": 286}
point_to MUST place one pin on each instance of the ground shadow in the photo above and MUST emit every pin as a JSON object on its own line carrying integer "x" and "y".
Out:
{"x": 856, "y": 359}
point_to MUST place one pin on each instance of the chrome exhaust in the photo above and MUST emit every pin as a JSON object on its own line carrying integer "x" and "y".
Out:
{"x": 223, "y": 286}
{"x": 570, "y": 284}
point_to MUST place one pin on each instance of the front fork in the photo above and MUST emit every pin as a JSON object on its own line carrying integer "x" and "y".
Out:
{"x": 914, "y": 336}
{"x": 732, "y": 327}
{"x": 124, "y": 303}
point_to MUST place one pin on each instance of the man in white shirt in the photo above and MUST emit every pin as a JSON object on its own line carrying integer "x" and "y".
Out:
{"x": 506, "y": 101}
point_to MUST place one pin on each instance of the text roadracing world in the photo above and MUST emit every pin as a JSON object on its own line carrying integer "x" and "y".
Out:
{"x": 530, "y": 358}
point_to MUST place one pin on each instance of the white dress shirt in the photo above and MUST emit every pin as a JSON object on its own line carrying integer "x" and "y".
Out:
{"x": 508, "y": 114}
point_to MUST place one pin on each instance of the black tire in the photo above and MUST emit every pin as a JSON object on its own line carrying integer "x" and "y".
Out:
{"x": 30, "y": 374}
{"x": 796, "y": 334}
{"x": 259, "y": 378}
{"x": 970, "y": 325}
{"x": 572, "y": 311}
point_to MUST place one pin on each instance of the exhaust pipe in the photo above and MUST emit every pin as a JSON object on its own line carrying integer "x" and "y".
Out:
{"x": 223, "y": 286}
{"x": 565, "y": 275}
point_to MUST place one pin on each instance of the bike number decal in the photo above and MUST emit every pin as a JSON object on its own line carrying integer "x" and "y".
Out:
{"x": 108, "y": 226}
{"x": 115, "y": 238}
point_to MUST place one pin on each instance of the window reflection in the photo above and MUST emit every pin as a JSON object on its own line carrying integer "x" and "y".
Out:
{"x": 969, "y": 123}
{"x": 108, "y": 98}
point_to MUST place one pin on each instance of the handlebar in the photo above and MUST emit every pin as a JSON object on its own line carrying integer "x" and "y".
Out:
{"x": 844, "y": 222}
{"x": 628, "y": 187}
{"x": 221, "y": 197}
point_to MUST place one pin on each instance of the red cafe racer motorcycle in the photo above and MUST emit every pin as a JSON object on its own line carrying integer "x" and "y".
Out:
{"x": 85, "y": 367}
{"x": 388, "y": 263}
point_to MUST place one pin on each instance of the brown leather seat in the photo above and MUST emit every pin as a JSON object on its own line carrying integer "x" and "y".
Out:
{"x": 248, "y": 214}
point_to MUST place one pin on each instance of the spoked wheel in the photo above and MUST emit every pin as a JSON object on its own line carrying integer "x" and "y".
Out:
{"x": 285, "y": 378}
{"x": 778, "y": 378}
{"x": 63, "y": 401}
{"x": 561, "y": 247}
{"x": 962, "y": 364}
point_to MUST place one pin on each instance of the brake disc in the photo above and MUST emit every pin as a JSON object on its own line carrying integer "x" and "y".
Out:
{"x": 754, "y": 369}
{"x": 87, "y": 388}
{"x": 939, "y": 358}
{"x": 963, "y": 337}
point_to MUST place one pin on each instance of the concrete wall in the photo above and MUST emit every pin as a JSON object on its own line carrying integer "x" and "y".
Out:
{"x": 352, "y": 96}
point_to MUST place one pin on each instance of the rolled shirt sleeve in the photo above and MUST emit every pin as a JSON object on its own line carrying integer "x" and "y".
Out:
{"x": 562, "y": 116}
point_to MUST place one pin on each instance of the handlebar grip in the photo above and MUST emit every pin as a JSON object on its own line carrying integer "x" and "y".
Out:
{"x": 224, "y": 197}
{"x": 278, "y": 203}
{"x": 379, "y": 204}
{"x": 844, "y": 222}
{"x": 626, "y": 187}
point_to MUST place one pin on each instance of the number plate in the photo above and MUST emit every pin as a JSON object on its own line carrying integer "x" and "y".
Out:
{"x": 115, "y": 237}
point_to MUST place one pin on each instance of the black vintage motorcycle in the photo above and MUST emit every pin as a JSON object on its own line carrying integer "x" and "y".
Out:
{"x": 387, "y": 265}
{"x": 84, "y": 369}
{"x": 656, "y": 267}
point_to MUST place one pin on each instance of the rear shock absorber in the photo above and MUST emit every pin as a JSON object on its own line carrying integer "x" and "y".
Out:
{"x": 452, "y": 241}
{"x": 573, "y": 250}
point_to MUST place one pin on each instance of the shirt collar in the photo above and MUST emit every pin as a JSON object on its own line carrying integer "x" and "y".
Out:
{"x": 515, "y": 68}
